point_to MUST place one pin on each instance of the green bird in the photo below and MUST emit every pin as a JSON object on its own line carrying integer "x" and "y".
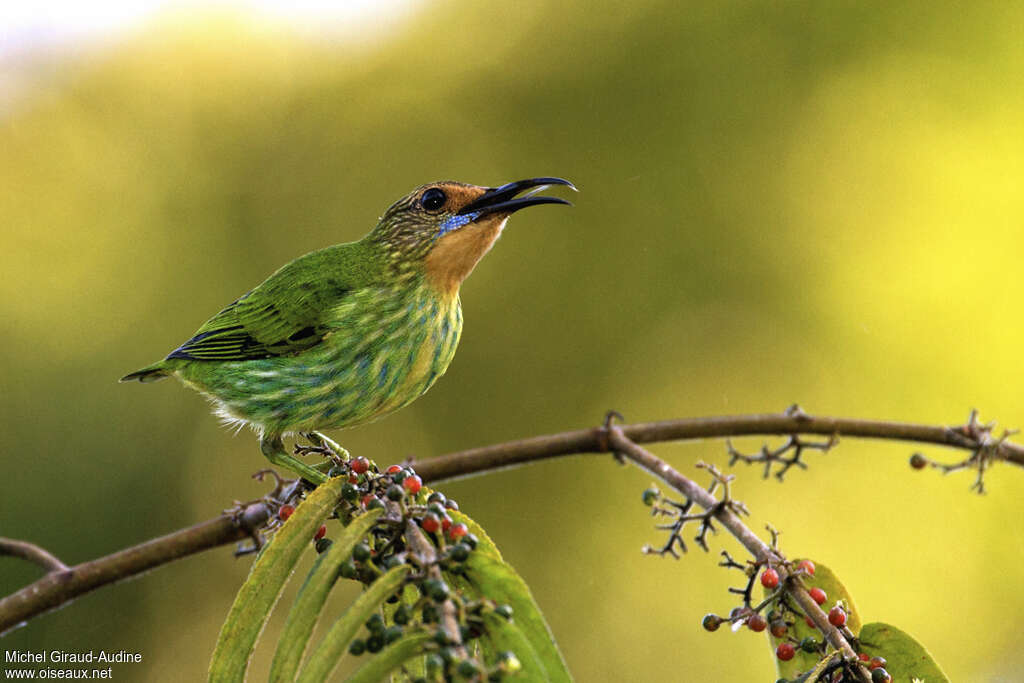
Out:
{"x": 347, "y": 334}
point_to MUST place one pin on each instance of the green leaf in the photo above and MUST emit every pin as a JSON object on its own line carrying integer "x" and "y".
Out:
{"x": 906, "y": 658}
{"x": 504, "y": 635}
{"x": 334, "y": 645}
{"x": 491, "y": 577}
{"x": 267, "y": 578}
{"x": 825, "y": 579}
{"x": 391, "y": 658}
{"x": 312, "y": 596}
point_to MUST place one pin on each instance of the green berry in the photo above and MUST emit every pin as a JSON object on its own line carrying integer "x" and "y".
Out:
{"x": 880, "y": 675}
{"x": 375, "y": 643}
{"x": 434, "y": 664}
{"x": 459, "y": 552}
{"x": 650, "y": 496}
{"x": 468, "y": 668}
{"x": 437, "y": 590}
{"x": 809, "y": 645}
{"x": 347, "y": 570}
{"x": 375, "y": 624}
{"x": 711, "y": 622}
{"x": 361, "y": 553}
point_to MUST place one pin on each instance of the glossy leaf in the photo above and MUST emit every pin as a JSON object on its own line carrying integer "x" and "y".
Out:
{"x": 906, "y": 658}
{"x": 334, "y": 645}
{"x": 267, "y": 578}
{"x": 311, "y": 598}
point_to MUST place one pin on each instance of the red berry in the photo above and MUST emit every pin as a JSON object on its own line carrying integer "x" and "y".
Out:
{"x": 394, "y": 468}
{"x": 877, "y": 662}
{"x": 757, "y": 623}
{"x": 769, "y": 578}
{"x": 807, "y": 566}
{"x": 863, "y": 656}
{"x": 837, "y": 616}
{"x": 818, "y": 595}
{"x": 446, "y": 523}
{"x": 359, "y": 465}
{"x": 779, "y": 628}
{"x": 285, "y": 512}
{"x": 431, "y": 523}
{"x": 366, "y": 499}
{"x": 810, "y": 622}
{"x": 320, "y": 533}
{"x": 785, "y": 651}
{"x": 458, "y": 531}
{"x": 353, "y": 479}
{"x": 412, "y": 484}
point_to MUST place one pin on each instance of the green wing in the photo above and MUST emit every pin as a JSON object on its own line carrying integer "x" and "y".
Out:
{"x": 283, "y": 316}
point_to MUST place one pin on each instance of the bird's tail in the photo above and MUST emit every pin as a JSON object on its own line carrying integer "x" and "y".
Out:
{"x": 150, "y": 373}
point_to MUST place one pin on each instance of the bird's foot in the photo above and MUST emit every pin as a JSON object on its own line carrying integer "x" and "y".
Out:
{"x": 325, "y": 446}
{"x": 273, "y": 449}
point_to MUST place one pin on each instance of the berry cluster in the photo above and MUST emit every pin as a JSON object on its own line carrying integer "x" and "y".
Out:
{"x": 441, "y": 548}
{"x": 777, "y": 614}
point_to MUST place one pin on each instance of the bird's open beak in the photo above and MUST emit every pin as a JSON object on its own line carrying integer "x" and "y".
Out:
{"x": 503, "y": 199}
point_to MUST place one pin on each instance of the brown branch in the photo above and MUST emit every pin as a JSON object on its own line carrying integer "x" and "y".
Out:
{"x": 723, "y": 512}
{"x": 594, "y": 440}
{"x": 63, "y": 585}
{"x": 32, "y": 553}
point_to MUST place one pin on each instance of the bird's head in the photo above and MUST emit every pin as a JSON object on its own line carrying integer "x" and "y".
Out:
{"x": 447, "y": 227}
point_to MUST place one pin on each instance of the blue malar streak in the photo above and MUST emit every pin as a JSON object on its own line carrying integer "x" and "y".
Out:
{"x": 457, "y": 221}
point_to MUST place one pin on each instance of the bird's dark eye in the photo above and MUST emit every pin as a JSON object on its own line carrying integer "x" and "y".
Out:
{"x": 433, "y": 199}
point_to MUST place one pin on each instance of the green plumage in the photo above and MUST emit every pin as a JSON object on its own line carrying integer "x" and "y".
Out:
{"x": 350, "y": 333}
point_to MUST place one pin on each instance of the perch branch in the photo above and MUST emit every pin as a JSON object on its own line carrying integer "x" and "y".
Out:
{"x": 61, "y": 586}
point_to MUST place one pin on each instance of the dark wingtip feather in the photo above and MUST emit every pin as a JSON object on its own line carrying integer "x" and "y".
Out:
{"x": 145, "y": 375}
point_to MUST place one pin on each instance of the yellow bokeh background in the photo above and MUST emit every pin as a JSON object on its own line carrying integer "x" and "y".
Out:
{"x": 779, "y": 202}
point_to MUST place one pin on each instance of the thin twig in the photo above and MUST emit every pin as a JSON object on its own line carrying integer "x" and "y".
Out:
{"x": 724, "y": 513}
{"x": 32, "y": 553}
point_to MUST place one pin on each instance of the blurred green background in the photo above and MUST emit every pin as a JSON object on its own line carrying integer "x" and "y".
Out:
{"x": 779, "y": 202}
